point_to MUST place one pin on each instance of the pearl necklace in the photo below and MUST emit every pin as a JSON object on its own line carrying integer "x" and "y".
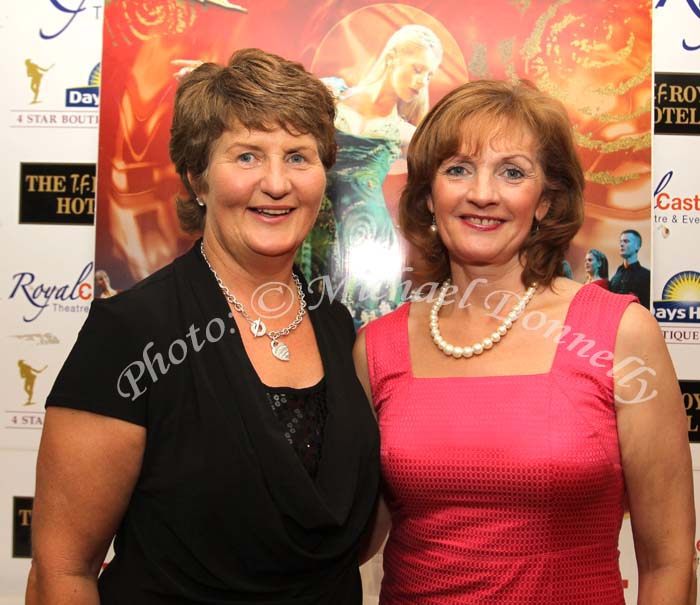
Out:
{"x": 487, "y": 343}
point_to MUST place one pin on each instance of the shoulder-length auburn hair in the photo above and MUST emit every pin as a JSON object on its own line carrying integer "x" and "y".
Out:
{"x": 470, "y": 117}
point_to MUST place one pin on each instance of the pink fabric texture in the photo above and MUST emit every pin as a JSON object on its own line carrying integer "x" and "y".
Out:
{"x": 504, "y": 489}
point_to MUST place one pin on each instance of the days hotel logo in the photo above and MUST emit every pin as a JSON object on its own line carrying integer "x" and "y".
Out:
{"x": 87, "y": 96}
{"x": 680, "y": 299}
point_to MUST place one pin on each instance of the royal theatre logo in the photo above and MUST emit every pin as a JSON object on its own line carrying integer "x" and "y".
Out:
{"x": 35, "y": 294}
{"x": 678, "y": 311}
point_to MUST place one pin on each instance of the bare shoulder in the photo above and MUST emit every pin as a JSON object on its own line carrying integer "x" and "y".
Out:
{"x": 555, "y": 299}
{"x": 565, "y": 288}
{"x": 643, "y": 366}
{"x": 639, "y": 329}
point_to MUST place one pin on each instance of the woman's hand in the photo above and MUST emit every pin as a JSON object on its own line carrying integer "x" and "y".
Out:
{"x": 86, "y": 471}
{"x": 652, "y": 429}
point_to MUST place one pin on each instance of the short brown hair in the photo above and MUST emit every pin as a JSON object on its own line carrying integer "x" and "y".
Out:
{"x": 491, "y": 108}
{"x": 256, "y": 90}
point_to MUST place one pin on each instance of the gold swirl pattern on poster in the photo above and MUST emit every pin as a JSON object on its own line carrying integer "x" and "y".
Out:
{"x": 624, "y": 87}
{"x": 596, "y": 59}
{"x": 634, "y": 143}
{"x": 506, "y": 51}
{"x": 478, "y": 65}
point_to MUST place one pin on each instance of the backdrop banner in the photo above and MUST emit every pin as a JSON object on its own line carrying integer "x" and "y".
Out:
{"x": 595, "y": 58}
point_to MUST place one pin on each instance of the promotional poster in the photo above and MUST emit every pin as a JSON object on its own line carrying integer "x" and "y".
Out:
{"x": 595, "y": 58}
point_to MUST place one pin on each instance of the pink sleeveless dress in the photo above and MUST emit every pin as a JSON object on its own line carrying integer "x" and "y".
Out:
{"x": 505, "y": 489}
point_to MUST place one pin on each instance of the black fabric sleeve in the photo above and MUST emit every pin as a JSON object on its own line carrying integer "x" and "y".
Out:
{"x": 342, "y": 317}
{"x": 105, "y": 371}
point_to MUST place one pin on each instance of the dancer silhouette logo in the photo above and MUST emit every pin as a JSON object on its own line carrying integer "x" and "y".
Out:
{"x": 28, "y": 374}
{"x": 35, "y": 73}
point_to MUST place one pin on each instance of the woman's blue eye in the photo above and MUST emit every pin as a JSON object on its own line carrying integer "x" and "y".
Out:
{"x": 456, "y": 171}
{"x": 297, "y": 158}
{"x": 246, "y": 158}
{"x": 514, "y": 173}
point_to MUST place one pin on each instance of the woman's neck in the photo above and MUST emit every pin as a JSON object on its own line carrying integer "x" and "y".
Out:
{"x": 481, "y": 290}
{"x": 246, "y": 273}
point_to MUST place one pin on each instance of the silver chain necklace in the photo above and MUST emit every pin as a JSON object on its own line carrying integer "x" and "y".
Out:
{"x": 257, "y": 326}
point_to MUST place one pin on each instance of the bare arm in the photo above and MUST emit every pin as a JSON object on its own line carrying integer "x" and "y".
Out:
{"x": 86, "y": 471}
{"x": 652, "y": 429}
{"x": 381, "y": 520}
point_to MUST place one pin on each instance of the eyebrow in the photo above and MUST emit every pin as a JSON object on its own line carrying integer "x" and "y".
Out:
{"x": 236, "y": 145}
{"x": 505, "y": 158}
{"x": 521, "y": 156}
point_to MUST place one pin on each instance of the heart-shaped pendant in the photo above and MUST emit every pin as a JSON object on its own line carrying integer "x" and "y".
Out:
{"x": 280, "y": 350}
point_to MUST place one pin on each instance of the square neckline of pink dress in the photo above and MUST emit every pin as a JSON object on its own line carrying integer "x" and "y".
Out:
{"x": 408, "y": 358}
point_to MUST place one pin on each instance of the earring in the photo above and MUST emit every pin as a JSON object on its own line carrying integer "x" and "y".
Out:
{"x": 433, "y": 226}
{"x": 200, "y": 202}
{"x": 535, "y": 227}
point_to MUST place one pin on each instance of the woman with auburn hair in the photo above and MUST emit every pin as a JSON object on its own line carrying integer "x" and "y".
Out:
{"x": 514, "y": 422}
{"x": 231, "y": 451}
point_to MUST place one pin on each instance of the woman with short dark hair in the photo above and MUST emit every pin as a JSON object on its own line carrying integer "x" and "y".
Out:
{"x": 210, "y": 416}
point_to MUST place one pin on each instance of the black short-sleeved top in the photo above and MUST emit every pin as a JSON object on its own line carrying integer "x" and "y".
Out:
{"x": 223, "y": 511}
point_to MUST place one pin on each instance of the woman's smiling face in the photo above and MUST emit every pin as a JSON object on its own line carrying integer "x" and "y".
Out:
{"x": 263, "y": 190}
{"x": 486, "y": 199}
